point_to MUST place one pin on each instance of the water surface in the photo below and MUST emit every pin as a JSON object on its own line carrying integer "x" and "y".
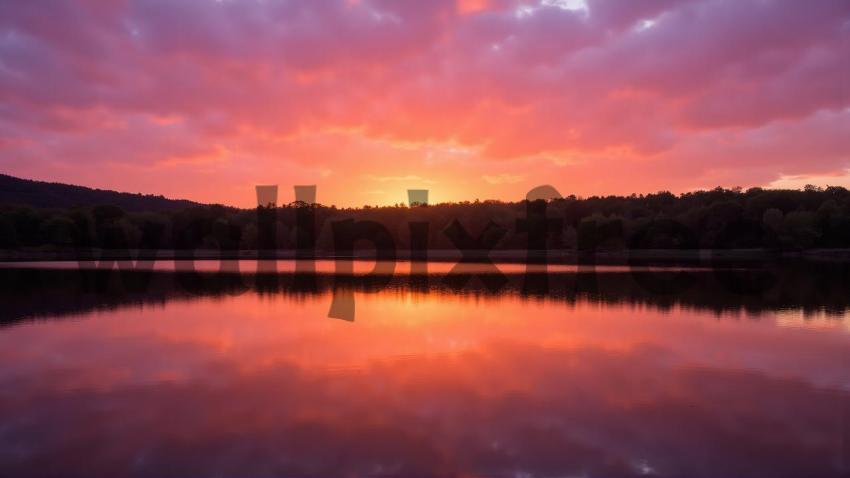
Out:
{"x": 580, "y": 372}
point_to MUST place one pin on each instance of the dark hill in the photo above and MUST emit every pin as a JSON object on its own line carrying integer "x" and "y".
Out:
{"x": 40, "y": 194}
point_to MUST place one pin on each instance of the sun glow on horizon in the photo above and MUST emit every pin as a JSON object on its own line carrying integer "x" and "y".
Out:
{"x": 470, "y": 99}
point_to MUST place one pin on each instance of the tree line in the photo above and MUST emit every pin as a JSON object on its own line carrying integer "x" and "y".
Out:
{"x": 715, "y": 219}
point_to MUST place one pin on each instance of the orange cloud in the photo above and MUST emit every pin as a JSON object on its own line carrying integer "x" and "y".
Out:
{"x": 596, "y": 97}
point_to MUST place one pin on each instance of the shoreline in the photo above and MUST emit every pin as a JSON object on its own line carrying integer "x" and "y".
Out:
{"x": 622, "y": 256}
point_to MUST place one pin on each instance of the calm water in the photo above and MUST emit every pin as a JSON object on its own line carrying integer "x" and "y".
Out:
{"x": 611, "y": 372}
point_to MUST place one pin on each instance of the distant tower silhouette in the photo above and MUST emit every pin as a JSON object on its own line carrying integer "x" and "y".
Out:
{"x": 545, "y": 192}
{"x": 417, "y": 197}
{"x": 305, "y": 194}
{"x": 267, "y": 195}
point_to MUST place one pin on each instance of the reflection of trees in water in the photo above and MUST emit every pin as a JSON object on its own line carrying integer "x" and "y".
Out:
{"x": 809, "y": 287}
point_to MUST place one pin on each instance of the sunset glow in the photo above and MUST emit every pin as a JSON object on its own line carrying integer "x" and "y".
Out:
{"x": 469, "y": 99}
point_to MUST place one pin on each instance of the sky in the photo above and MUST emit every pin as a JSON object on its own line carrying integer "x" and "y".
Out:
{"x": 469, "y": 99}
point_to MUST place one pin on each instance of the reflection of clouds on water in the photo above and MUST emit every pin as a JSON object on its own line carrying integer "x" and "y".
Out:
{"x": 499, "y": 410}
{"x": 426, "y": 381}
{"x": 253, "y": 330}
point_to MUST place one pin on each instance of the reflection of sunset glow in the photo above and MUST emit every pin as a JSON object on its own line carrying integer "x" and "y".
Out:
{"x": 424, "y": 384}
{"x": 252, "y": 332}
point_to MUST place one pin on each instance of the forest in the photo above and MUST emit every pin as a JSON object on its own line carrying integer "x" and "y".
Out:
{"x": 715, "y": 219}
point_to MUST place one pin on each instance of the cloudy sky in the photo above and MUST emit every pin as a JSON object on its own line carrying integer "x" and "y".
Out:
{"x": 204, "y": 99}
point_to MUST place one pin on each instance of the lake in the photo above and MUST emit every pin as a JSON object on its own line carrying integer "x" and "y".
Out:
{"x": 277, "y": 370}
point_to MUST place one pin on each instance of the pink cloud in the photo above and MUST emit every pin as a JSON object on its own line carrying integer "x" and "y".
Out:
{"x": 615, "y": 98}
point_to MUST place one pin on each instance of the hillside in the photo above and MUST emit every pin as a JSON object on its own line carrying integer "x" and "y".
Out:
{"x": 40, "y": 194}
